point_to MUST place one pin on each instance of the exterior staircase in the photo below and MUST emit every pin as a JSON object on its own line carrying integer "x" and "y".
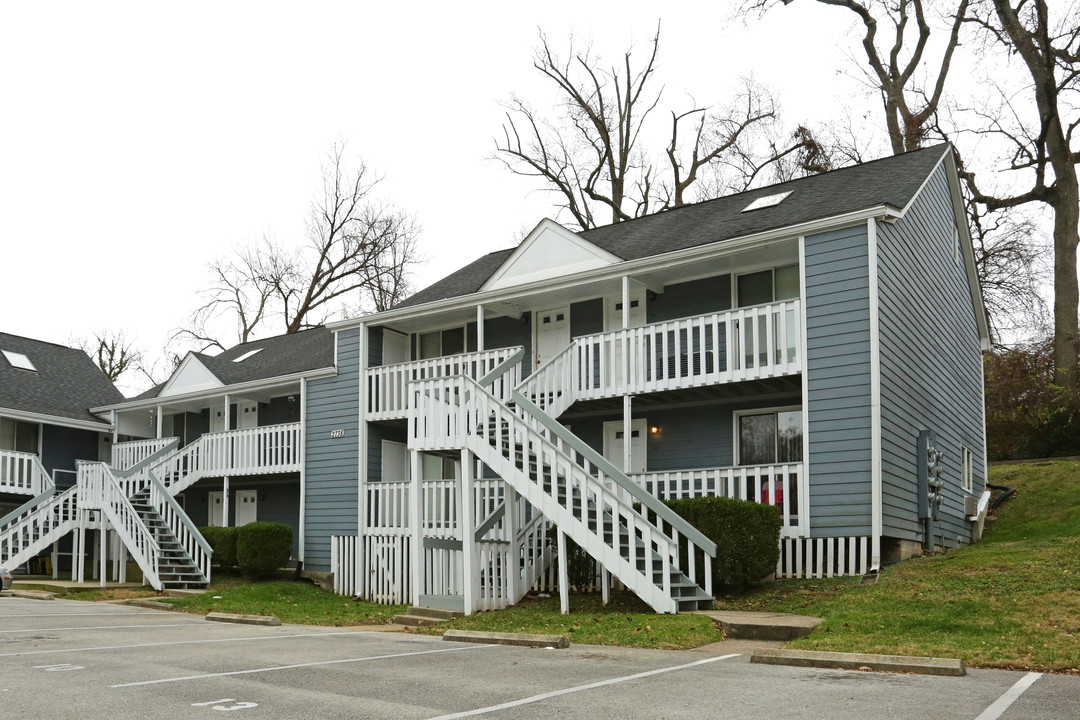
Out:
{"x": 591, "y": 501}
{"x": 176, "y": 568}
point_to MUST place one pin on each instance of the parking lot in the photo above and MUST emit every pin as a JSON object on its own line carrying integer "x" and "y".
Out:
{"x": 66, "y": 659}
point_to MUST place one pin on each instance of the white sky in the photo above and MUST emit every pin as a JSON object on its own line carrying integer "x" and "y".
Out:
{"x": 138, "y": 142}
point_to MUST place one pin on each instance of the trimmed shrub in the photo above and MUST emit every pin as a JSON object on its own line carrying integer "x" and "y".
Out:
{"x": 223, "y": 542}
{"x": 262, "y": 548}
{"x": 747, "y": 537}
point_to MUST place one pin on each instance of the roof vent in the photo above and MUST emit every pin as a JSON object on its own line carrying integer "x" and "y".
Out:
{"x": 246, "y": 355}
{"x": 18, "y": 360}
{"x": 766, "y": 201}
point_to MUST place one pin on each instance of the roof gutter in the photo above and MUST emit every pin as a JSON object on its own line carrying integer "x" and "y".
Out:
{"x": 100, "y": 426}
{"x": 647, "y": 264}
{"x": 263, "y": 384}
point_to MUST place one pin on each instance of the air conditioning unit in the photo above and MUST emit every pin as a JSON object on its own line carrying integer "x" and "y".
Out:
{"x": 971, "y": 505}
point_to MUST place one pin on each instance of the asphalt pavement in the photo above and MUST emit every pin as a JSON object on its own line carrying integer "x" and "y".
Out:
{"x": 68, "y": 659}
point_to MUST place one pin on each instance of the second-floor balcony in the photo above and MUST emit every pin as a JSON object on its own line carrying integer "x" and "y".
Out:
{"x": 22, "y": 474}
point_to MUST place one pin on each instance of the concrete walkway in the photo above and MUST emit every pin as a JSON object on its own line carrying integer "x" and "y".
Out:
{"x": 759, "y": 626}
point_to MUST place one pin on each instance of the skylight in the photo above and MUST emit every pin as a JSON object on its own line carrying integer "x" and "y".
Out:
{"x": 766, "y": 201}
{"x": 246, "y": 355}
{"x": 18, "y": 360}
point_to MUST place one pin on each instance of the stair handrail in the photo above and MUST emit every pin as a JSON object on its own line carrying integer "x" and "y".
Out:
{"x": 502, "y": 368}
{"x": 548, "y": 368}
{"x": 192, "y": 448}
{"x": 203, "y": 560}
{"x": 55, "y": 512}
{"x": 125, "y": 521}
{"x": 167, "y": 449}
{"x": 27, "y": 507}
{"x": 616, "y": 475}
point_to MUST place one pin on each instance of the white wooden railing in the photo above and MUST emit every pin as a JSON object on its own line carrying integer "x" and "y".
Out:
{"x": 744, "y": 344}
{"x": 98, "y": 489}
{"x": 458, "y": 412}
{"x": 266, "y": 449}
{"x": 185, "y": 532}
{"x": 388, "y": 385}
{"x": 22, "y": 473}
{"x": 126, "y": 455}
{"x": 777, "y": 485}
{"x": 31, "y": 528}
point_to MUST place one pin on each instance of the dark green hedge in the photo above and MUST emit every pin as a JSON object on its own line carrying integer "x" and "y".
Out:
{"x": 223, "y": 542}
{"x": 262, "y": 548}
{"x": 747, "y": 537}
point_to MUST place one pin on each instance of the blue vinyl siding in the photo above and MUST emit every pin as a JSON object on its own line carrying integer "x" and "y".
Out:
{"x": 62, "y": 446}
{"x": 838, "y": 379}
{"x": 332, "y": 463}
{"x": 378, "y": 432}
{"x": 931, "y": 361}
{"x": 500, "y": 332}
{"x": 587, "y": 317}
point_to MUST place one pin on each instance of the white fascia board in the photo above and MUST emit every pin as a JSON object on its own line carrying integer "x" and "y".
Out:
{"x": 103, "y": 426}
{"x": 238, "y": 388}
{"x": 597, "y": 256}
{"x": 649, "y": 264}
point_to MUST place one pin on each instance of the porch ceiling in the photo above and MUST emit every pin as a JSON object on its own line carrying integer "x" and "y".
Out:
{"x": 767, "y": 390}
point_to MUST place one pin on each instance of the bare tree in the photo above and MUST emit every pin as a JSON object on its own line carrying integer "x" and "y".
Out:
{"x": 357, "y": 257}
{"x": 593, "y": 156}
{"x": 1042, "y": 154}
{"x": 910, "y": 101}
{"x": 113, "y": 351}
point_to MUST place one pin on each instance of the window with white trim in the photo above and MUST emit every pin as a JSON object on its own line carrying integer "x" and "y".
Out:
{"x": 769, "y": 437}
{"x": 965, "y": 469}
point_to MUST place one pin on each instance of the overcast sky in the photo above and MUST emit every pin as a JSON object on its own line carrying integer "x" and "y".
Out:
{"x": 138, "y": 142}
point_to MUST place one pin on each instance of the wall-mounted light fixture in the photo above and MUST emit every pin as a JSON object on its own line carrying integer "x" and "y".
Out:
{"x": 654, "y": 429}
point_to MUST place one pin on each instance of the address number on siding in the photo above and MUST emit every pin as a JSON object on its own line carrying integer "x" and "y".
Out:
{"x": 337, "y": 433}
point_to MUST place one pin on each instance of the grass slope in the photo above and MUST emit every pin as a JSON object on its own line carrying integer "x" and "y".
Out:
{"x": 1010, "y": 601}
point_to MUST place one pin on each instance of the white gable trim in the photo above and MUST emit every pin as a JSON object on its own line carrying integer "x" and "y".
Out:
{"x": 191, "y": 376}
{"x": 46, "y": 419}
{"x": 550, "y": 249}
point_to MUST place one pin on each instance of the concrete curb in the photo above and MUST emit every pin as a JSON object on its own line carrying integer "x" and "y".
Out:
{"x": 497, "y": 638}
{"x": 953, "y": 667}
{"x": 29, "y": 594}
{"x": 243, "y": 619}
{"x": 148, "y": 604}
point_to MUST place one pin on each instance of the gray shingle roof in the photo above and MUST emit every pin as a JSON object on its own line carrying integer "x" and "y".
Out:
{"x": 281, "y": 355}
{"x": 889, "y": 181}
{"x": 66, "y": 384}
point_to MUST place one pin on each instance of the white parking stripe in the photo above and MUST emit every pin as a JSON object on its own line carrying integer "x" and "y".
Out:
{"x": 96, "y": 627}
{"x": 999, "y": 706}
{"x": 119, "y": 613}
{"x": 187, "y": 642}
{"x": 300, "y": 665}
{"x": 579, "y": 688}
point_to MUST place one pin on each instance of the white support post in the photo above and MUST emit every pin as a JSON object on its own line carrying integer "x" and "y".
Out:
{"x": 605, "y": 586}
{"x": 103, "y": 552}
{"x": 464, "y": 473}
{"x": 55, "y": 564}
{"x": 564, "y": 575}
{"x": 159, "y": 421}
{"x": 225, "y": 502}
{"x": 510, "y": 500}
{"x": 627, "y": 460}
{"x": 227, "y": 426}
{"x": 75, "y": 554}
{"x": 303, "y": 475}
{"x": 123, "y": 564}
{"x": 417, "y": 557}
{"x": 97, "y": 552}
{"x": 479, "y": 328}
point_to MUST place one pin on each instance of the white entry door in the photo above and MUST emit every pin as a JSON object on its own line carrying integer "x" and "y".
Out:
{"x": 614, "y": 448}
{"x": 247, "y": 506}
{"x": 214, "y": 499}
{"x": 552, "y": 333}
{"x": 247, "y": 415}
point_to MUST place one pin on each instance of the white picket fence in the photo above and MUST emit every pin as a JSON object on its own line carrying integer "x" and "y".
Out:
{"x": 823, "y": 557}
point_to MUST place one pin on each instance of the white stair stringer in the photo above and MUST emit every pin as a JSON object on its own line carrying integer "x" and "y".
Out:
{"x": 36, "y": 528}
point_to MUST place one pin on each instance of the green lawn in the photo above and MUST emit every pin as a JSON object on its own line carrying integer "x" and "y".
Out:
{"x": 626, "y": 622}
{"x": 1011, "y": 600}
{"x": 292, "y": 602}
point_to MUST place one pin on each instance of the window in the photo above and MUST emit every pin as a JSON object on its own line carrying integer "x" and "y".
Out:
{"x": 441, "y": 343}
{"x": 766, "y": 201}
{"x": 18, "y": 360}
{"x": 19, "y": 436}
{"x": 248, "y": 354}
{"x": 767, "y": 286}
{"x": 770, "y": 437}
{"x": 965, "y": 469}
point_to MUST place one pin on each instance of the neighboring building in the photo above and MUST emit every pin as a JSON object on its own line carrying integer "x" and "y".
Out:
{"x": 46, "y": 391}
{"x": 788, "y": 345}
